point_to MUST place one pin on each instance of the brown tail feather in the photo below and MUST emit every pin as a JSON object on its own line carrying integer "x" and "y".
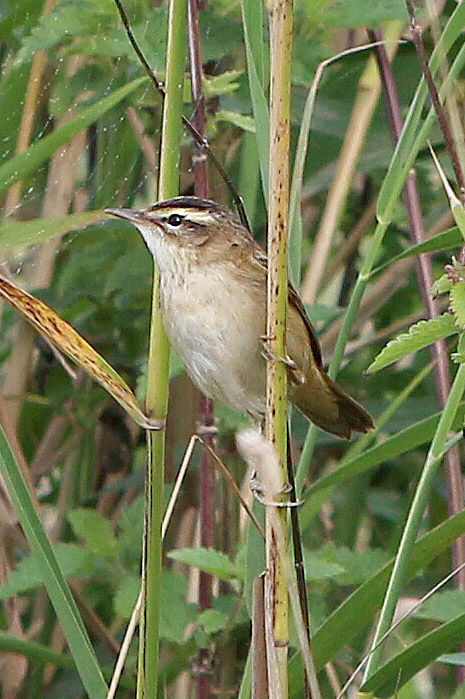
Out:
{"x": 339, "y": 414}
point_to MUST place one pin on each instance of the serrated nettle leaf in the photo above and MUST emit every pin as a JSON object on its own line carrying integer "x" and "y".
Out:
{"x": 126, "y": 596}
{"x": 441, "y": 286}
{"x": 96, "y": 531}
{"x": 457, "y": 303}
{"x": 65, "y": 338}
{"x": 242, "y": 121}
{"x": 419, "y": 336}
{"x": 223, "y": 84}
{"x": 209, "y": 561}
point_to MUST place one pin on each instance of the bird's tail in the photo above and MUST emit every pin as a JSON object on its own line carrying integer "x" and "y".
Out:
{"x": 335, "y": 411}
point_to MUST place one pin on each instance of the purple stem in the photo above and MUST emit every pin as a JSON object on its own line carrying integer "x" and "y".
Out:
{"x": 452, "y": 467}
{"x": 207, "y": 469}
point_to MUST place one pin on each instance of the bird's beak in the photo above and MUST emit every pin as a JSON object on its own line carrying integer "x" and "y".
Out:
{"x": 127, "y": 214}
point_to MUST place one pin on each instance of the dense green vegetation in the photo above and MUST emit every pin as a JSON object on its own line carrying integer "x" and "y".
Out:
{"x": 94, "y": 140}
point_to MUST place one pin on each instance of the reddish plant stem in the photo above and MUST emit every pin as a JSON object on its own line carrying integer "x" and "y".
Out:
{"x": 441, "y": 114}
{"x": 207, "y": 468}
{"x": 452, "y": 467}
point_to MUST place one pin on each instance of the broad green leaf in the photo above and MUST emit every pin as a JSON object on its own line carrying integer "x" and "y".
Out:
{"x": 73, "y": 560}
{"x": 457, "y": 303}
{"x": 207, "y": 560}
{"x": 63, "y": 336}
{"x": 397, "y": 671}
{"x": 222, "y": 84}
{"x": 212, "y": 620}
{"x": 19, "y": 166}
{"x": 420, "y": 335}
{"x": 405, "y": 440}
{"x": 52, "y": 575}
{"x": 40, "y": 229}
{"x": 350, "y": 14}
{"x": 357, "y": 611}
{"x": 319, "y": 568}
{"x": 175, "y": 612}
{"x": 442, "y": 606}
{"x": 96, "y": 531}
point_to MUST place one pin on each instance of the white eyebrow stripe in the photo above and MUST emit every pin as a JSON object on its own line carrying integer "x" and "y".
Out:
{"x": 193, "y": 215}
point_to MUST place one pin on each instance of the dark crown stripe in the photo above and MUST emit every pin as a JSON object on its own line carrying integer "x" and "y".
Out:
{"x": 188, "y": 203}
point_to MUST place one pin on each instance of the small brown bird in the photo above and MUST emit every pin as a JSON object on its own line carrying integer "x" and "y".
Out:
{"x": 213, "y": 298}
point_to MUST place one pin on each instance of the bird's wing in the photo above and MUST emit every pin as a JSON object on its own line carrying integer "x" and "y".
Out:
{"x": 303, "y": 346}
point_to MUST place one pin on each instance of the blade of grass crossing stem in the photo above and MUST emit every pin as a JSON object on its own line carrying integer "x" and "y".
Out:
{"x": 405, "y": 151}
{"x": 402, "y": 159}
{"x": 158, "y": 363}
{"x": 417, "y": 507}
{"x": 18, "y": 167}
{"x": 252, "y": 22}
{"x": 52, "y": 575}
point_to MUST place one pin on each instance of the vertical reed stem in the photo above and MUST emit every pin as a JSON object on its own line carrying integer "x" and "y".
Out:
{"x": 281, "y": 26}
{"x": 158, "y": 365}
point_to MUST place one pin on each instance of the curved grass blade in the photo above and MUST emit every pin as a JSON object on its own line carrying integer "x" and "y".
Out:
{"x": 356, "y": 612}
{"x": 451, "y": 238}
{"x": 397, "y": 671}
{"x": 19, "y": 233}
{"x": 19, "y": 166}
{"x": 63, "y": 336}
{"x": 55, "y": 583}
{"x": 406, "y": 440}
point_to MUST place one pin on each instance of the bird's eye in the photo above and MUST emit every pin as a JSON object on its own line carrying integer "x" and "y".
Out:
{"x": 175, "y": 220}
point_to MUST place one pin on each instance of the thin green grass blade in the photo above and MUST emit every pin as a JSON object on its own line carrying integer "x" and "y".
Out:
{"x": 406, "y": 440}
{"x": 19, "y": 166}
{"x": 397, "y": 671}
{"x": 417, "y": 507}
{"x": 55, "y": 583}
{"x": 451, "y": 238}
{"x": 252, "y": 23}
{"x": 406, "y": 151}
{"x": 357, "y": 611}
{"x": 41, "y": 229}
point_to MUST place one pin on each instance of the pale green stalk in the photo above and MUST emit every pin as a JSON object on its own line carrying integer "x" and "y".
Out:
{"x": 281, "y": 27}
{"x": 420, "y": 499}
{"x": 158, "y": 363}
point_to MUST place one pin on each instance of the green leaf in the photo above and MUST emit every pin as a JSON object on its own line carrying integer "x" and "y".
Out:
{"x": 442, "y": 285}
{"x": 207, "y": 560}
{"x": 242, "y": 121}
{"x": 52, "y": 575}
{"x": 318, "y": 568}
{"x": 73, "y": 560}
{"x": 41, "y": 229}
{"x": 212, "y": 620}
{"x": 126, "y": 596}
{"x": 403, "y": 441}
{"x": 451, "y": 238}
{"x": 351, "y": 14}
{"x": 223, "y": 84}
{"x": 397, "y": 671}
{"x": 359, "y": 565}
{"x": 19, "y": 166}
{"x": 91, "y": 526}
{"x": 443, "y": 606}
{"x": 131, "y": 525}
{"x": 420, "y": 335}
{"x": 356, "y": 612}
{"x": 457, "y": 303}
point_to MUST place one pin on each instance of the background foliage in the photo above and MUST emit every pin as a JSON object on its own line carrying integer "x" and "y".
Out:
{"x": 86, "y": 459}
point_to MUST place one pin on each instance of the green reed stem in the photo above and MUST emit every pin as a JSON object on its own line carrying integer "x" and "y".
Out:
{"x": 158, "y": 363}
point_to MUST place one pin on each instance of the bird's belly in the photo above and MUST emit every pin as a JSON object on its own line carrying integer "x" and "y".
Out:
{"x": 220, "y": 347}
